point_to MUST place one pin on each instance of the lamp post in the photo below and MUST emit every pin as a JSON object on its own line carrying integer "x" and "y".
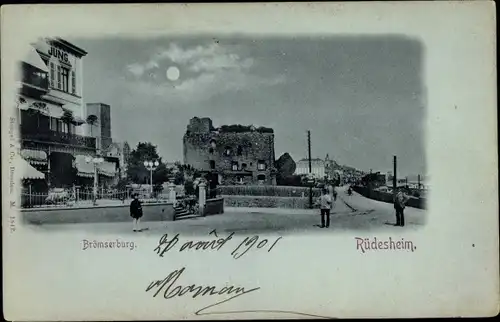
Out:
{"x": 310, "y": 177}
{"x": 151, "y": 166}
{"x": 95, "y": 161}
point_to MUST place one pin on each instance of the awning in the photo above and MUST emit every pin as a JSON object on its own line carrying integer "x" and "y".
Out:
{"x": 26, "y": 103}
{"x": 34, "y": 59}
{"x": 52, "y": 110}
{"x": 107, "y": 168}
{"x": 55, "y": 111}
{"x": 34, "y": 156}
{"x": 84, "y": 169}
{"x": 24, "y": 170}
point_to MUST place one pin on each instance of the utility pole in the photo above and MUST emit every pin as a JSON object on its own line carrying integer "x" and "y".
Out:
{"x": 310, "y": 168}
{"x": 418, "y": 182}
{"x": 394, "y": 178}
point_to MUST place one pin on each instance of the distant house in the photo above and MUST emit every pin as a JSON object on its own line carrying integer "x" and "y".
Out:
{"x": 120, "y": 151}
{"x": 318, "y": 169}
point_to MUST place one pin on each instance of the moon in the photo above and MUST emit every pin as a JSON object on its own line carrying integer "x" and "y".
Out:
{"x": 173, "y": 73}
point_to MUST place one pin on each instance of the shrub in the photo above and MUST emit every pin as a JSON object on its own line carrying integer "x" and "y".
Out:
{"x": 189, "y": 188}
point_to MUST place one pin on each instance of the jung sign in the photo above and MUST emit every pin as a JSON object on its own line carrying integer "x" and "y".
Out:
{"x": 59, "y": 54}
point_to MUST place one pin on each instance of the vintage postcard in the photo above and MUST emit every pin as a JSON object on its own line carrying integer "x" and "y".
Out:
{"x": 249, "y": 161}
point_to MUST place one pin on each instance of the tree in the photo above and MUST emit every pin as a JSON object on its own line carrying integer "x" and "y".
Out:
{"x": 137, "y": 172}
{"x": 185, "y": 173}
{"x": 179, "y": 178}
{"x": 285, "y": 167}
{"x": 161, "y": 174}
{"x": 91, "y": 120}
{"x": 189, "y": 188}
{"x": 67, "y": 118}
{"x": 121, "y": 185}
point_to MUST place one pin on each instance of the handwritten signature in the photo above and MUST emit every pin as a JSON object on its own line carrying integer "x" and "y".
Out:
{"x": 171, "y": 290}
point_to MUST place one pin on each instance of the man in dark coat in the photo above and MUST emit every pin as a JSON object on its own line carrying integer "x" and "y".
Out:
{"x": 400, "y": 200}
{"x": 136, "y": 212}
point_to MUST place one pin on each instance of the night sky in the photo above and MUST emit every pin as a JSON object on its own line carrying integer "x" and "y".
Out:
{"x": 363, "y": 98}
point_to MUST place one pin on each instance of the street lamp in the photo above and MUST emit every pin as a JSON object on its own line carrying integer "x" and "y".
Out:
{"x": 95, "y": 161}
{"x": 151, "y": 166}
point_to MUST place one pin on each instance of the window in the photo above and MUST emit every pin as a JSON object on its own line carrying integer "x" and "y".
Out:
{"x": 261, "y": 165}
{"x": 60, "y": 126}
{"x": 52, "y": 75}
{"x": 227, "y": 151}
{"x": 243, "y": 166}
{"x": 234, "y": 166}
{"x": 64, "y": 127}
{"x": 261, "y": 178}
{"x": 53, "y": 124}
{"x": 59, "y": 84}
{"x": 212, "y": 164}
{"x": 73, "y": 82}
{"x": 240, "y": 150}
{"x": 65, "y": 75}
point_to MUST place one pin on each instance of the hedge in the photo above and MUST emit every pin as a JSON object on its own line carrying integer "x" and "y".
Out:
{"x": 267, "y": 190}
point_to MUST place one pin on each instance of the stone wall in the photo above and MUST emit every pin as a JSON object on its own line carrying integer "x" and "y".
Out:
{"x": 247, "y": 149}
{"x": 66, "y": 215}
{"x": 197, "y": 124}
{"x": 213, "y": 207}
{"x": 387, "y": 197}
{"x": 266, "y": 202}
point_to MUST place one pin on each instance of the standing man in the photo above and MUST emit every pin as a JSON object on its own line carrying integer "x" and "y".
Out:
{"x": 331, "y": 191}
{"x": 136, "y": 212}
{"x": 326, "y": 206}
{"x": 400, "y": 201}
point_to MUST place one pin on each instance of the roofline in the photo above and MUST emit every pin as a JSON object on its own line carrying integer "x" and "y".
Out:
{"x": 98, "y": 104}
{"x": 73, "y": 48}
{"x": 313, "y": 159}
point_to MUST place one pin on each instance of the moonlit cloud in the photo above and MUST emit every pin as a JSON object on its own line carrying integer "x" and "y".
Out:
{"x": 203, "y": 87}
{"x": 213, "y": 69}
{"x": 136, "y": 69}
{"x": 182, "y": 56}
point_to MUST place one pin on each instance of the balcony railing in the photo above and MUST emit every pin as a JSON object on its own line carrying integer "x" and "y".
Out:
{"x": 59, "y": 137}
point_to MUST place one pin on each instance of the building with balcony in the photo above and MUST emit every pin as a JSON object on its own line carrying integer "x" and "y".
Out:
{"x": 50, "y": 112}
{"x": 238, "y": 154}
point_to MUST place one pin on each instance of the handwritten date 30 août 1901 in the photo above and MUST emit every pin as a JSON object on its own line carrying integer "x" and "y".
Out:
{"x": 257, "y": 243}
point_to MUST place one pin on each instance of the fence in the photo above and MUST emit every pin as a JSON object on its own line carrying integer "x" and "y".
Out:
{"x": 76, "y": 197}
{"x": 269, "y": 191}
{"x": 388, "y": 197}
